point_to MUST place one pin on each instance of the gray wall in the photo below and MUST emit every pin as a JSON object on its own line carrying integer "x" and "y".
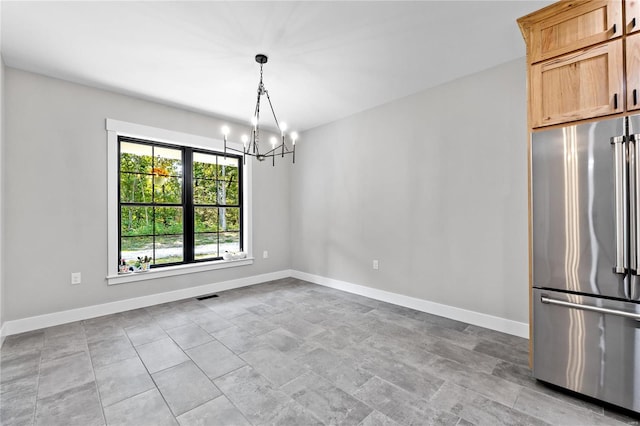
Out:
{"x": 432, "y": 185}
{"x": 55, "y": 177}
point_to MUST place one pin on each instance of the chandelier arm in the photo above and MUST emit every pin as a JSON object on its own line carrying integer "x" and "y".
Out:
{"x": 228, "y": 148}
{"x": 256, "y": 127}
{"x": 256, "y": 112}
{"x": 268, "y": 154}
{"x": 272, "y": 111}
{"x": 273, "y": 154}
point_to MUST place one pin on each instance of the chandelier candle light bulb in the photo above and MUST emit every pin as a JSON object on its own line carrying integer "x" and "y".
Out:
{"x": 251, "y": 143}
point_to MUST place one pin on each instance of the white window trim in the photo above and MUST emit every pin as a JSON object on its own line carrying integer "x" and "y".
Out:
{"x": 117, "y": 128}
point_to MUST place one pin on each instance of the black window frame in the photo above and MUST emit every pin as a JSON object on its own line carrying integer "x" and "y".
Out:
{"x": 188, "y": 203}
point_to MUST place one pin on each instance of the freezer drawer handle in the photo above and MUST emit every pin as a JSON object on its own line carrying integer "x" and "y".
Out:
{"x": 631, "y": 315}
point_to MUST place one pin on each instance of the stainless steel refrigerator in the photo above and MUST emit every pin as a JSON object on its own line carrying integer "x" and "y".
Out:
{"x": 586, "y": 259}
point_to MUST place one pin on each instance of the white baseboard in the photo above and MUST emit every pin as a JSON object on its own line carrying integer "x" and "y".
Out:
{"x": 476, "y": 318}
{"x": 515, "y": 328}
{"x": 57, "y": 318}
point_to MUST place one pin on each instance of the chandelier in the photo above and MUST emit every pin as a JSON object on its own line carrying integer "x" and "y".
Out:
{"x": 251, "y": 144}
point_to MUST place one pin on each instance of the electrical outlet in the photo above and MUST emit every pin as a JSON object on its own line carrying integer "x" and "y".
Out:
{"x": 76, "y": 278}
{"x": 375, "y": 264}
{"x": 265, "y": 254}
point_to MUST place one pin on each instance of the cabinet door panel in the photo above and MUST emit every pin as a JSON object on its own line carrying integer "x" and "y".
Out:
{"x": 633, "y": 72}
{"x": 575, "y": 26}
{"x": 632, "y": 13}
{"x": 580, "y": 85}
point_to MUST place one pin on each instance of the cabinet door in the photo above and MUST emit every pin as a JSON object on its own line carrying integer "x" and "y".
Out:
{"x": 569, "y": 26}
{"x": 633, "y": 72}
{"x": 632, "y": 14}
{"x": 584, "y": 84}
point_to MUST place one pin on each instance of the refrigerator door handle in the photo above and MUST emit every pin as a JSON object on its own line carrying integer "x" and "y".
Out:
{"x": 631, "y": 315}
{"x": 620, "y": 183}
{"x": 634, "y": 203}
{"x": 634, "y": 168}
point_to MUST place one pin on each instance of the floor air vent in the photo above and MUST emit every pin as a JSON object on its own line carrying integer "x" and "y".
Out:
{"x": 208, "y": 296}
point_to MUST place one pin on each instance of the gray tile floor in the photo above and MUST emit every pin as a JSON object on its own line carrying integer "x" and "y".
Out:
{"x": 284, "y": 352}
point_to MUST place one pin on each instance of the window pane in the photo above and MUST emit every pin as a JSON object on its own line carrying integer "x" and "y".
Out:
{"x": 168, "y": 220}
{"x": 152, "y": 176}
{"x": 204, "y": 191}
{"x": 204, "y": 165}
{"x": 228, "y": 168}
{"x": 135, "y": 188}
{"x": 230, "y": 219}
{"x": 135, "y": 157}
{"x": 167, "y": 162}
{"x": 168, "y": 249}
{"x": 228, "y": 192}
{"x": 229, "y": 241}
{"x": 136, "y": 221}
{"x": 206, "y": 219}
{"x": 134, "y": 247}
{"x": 206, "y": 245}
{"x": 167, "y": 190}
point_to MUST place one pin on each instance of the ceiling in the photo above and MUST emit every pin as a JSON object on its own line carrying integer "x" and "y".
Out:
{"x": 327, "y": 60}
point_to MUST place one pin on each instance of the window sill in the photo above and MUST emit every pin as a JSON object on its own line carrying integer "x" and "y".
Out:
{"x": 170, "y": 271}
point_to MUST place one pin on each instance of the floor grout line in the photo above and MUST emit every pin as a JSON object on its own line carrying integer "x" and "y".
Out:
{"x": 35, "y": 405}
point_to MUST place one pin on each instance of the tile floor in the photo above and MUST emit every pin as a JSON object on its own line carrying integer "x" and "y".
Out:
{"x": 284, "y": 352}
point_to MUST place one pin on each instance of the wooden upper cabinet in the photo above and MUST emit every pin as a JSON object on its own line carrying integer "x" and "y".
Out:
{"x": 579, "y": 85}
{"x": 633, "y": 72}
{"x": 632, "y": 16}
{"x": 567, "y": 26}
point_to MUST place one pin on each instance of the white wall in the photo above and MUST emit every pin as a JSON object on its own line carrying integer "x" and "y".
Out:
{"x": 433, "y": 186}
{"x": 55, "y": 179}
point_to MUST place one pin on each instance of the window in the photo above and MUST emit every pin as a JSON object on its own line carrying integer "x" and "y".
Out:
{"x": 177, "y": 204}
{"x": 176, "y": 198}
